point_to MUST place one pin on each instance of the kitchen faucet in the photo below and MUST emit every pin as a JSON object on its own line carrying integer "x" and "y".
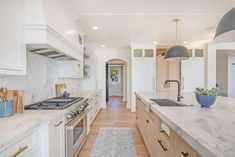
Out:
{"x": 179, "y": 97}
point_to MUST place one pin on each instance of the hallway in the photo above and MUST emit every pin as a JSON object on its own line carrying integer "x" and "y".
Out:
{"x": 116, "y": 115}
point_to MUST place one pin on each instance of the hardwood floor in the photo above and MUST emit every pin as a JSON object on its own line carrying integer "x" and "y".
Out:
{"x": 116, "y": 115}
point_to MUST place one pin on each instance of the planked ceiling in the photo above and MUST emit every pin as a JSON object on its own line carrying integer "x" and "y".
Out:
{"x": 122, "y": 22}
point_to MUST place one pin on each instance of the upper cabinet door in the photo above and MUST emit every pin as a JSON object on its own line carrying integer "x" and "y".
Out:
{"x": 13, "y": 50}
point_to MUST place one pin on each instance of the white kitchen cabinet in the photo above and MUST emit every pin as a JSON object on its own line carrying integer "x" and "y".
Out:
{"x": 13, "y": 49}
{"x": 57, "y": 138}
{"x": 95, "y": 106}
{"x": 193, "y": 71}
{"x": 26, "y": 146}
{"x": 70, "y": 69}
{"x": 143, "y": 69}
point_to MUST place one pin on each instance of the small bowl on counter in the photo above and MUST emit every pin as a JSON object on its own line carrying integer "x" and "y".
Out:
{"x": 206, "y": 97}
{"x": 6, "y": 109}
{"x": 205, "y": 100}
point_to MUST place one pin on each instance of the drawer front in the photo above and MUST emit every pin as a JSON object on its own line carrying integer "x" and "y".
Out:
{"x": 183, "y": 149}
{"x": 25, "y": 147}
{"x": 164, "y": 149}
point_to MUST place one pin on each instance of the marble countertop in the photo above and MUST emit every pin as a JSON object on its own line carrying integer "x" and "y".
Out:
{"x": 13, "y": 127}
{"x": 209, "y": 131}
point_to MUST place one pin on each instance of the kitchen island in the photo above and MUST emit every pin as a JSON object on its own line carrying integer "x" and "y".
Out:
{"x": 210, "y": 132}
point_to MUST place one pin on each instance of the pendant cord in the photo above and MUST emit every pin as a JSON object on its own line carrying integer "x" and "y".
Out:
{"x": 176, "y": 30}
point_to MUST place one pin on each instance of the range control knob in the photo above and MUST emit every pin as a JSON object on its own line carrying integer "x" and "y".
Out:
{"x": 69, "y": 116}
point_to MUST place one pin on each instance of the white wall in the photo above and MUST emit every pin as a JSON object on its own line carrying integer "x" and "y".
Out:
{"x": 39, "y": 83}
{"x": 106, "y": 54}
{"x": 211, "y": 60}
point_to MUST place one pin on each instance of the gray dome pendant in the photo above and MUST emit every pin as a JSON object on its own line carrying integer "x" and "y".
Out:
{"x": 178, "y": 52}
{"x": 225, "y": 31}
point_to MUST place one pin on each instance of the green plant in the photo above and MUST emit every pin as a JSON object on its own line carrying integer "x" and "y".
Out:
{"x": 114, "y": 74}
{"x": 210, "y": 92}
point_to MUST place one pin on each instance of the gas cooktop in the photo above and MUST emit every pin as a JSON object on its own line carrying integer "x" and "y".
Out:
{"x": 58, "y": 103}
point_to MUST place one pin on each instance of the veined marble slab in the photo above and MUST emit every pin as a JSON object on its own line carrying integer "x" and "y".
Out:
{"x": 84, "y": 93}
{"x": 211, "y": 132}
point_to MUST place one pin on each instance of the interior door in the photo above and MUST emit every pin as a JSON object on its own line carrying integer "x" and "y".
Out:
{"x": 193, "y": 73}
{"x": 231, "y": 76}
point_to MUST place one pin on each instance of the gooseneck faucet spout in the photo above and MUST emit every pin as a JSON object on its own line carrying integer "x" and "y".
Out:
{"x": 179, "y": 97}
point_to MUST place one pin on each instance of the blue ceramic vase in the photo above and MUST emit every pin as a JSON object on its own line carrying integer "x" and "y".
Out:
{"x": 6, "y": 109}
{"x": 205, "y": 100}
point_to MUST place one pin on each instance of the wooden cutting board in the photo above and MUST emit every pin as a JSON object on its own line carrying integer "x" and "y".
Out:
{"x": 59, "y": 88}
{"x": 18, "y": 96}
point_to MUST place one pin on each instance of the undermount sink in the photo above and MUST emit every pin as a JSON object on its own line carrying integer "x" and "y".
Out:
{"x": 167, "y": 102}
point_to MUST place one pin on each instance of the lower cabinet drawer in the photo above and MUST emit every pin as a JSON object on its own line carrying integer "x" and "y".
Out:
{"x": 28, "y": 146}
{"x": 183, "y": 149}
{"x": 164, "y": 148}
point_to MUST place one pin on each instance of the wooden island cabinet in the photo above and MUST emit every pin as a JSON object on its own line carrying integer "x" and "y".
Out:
{"x": 160, "y": 143}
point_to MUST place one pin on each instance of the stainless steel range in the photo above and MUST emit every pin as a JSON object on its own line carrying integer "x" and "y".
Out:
{"x": 76, "y": 121}
{"x": 55, "y": 103}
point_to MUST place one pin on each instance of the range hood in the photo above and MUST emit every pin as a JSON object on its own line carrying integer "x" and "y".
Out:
{"x": 50, "y": 31}
{"x": 51, "y": 53}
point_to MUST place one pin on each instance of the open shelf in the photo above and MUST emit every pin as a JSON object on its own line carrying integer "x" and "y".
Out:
{"x": 86, "y": 55}
{"x": 86, "y": 66}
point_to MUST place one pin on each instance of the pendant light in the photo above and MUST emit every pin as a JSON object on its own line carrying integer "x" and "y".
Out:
{"x": 225, "y": 31}
{"x": 177, "y": 52}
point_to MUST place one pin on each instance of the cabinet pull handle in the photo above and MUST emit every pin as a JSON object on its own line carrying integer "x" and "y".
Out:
{"x": 160, "y": 142}
{"x": 147, "y": 121}
{"x": 185, "y": 154}
{"x": 21, "y": 149}
{"x": 58, "y": 124}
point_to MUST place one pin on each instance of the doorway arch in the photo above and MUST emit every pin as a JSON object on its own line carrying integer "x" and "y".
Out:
{"x": 116, "y": 78}
{"x": 103, "y": 56}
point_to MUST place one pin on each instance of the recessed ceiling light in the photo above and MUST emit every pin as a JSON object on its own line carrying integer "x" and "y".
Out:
{"x": 103, "y": 46}
{"x": 94, "y": 27}
{"x": 185, "y": 42}
{"x": 155, "y": 42}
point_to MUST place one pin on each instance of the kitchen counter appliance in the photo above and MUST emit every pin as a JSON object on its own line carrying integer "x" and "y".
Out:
{"x": 76, "y": 109}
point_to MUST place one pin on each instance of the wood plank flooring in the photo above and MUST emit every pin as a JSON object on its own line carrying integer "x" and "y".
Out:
{"x": 116, "y": 115}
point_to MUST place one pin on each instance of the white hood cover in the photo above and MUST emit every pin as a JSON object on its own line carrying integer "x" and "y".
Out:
{"x": 50, "y": 30}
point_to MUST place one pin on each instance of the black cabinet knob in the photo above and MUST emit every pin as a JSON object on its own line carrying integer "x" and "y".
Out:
{"x": 185, "y": 154}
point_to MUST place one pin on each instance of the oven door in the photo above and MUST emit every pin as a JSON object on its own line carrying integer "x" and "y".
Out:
{"x": 76, "y": 132}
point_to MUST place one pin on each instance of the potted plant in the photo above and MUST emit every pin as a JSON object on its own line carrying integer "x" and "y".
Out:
{"x": 206, "y": 97}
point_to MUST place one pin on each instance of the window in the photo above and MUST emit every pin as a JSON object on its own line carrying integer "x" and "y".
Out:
{"x": 198, "y": 52}
{"x": 148, "y": 52}
{"x": 138, "y": 53}
{"x": 115, "y": 74}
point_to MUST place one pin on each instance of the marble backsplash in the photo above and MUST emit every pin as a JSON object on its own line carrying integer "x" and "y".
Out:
{"x": 39, "y": 83}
